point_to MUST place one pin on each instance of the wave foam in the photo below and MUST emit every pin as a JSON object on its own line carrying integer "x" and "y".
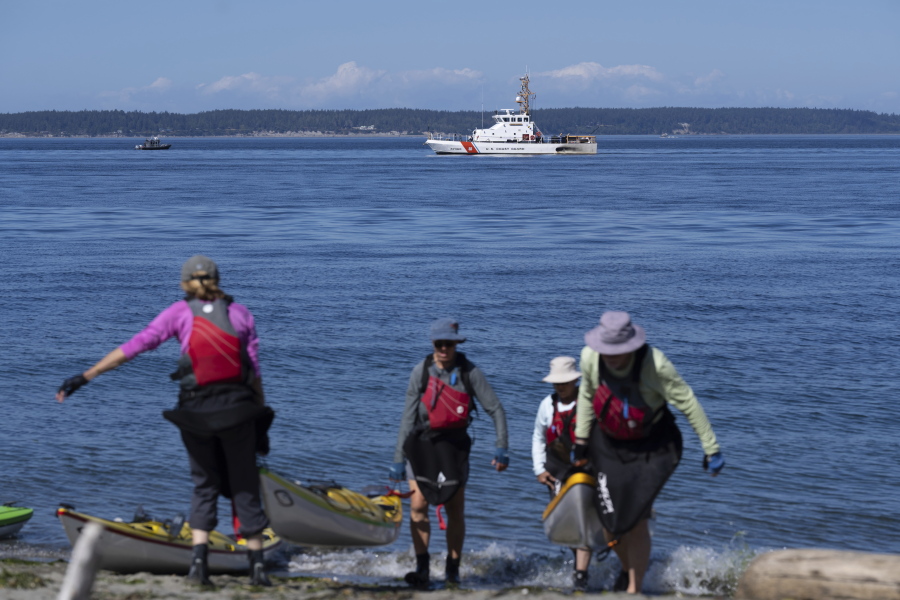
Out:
{"x": 694, "y": 571}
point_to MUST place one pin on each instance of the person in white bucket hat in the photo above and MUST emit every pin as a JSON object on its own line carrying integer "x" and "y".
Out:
{"x": 552, "y": 441}
{"x": 627, "y": 434}
{"x": 554, "y": 419}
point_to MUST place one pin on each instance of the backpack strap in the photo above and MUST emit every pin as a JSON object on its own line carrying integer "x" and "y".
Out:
{"x": 462, "y": 363}
{"x": 639, "y": 356}
{"x": 638, "y": 362}
{"x": 465, "y": 367}
{"x": 423, "y": 384}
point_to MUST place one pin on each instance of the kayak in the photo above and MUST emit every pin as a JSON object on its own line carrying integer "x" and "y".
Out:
{"x": 159, "y": 547}
{"x": 12, "y": 518}
{"x": 328, "y": 514}
{"x": 571, "y": 519}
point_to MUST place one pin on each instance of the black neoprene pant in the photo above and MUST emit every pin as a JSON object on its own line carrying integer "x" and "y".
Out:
{"x": 225, "y": 464}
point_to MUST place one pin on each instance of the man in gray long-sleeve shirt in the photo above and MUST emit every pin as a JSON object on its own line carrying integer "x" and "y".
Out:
{"x": 433, "y": 439}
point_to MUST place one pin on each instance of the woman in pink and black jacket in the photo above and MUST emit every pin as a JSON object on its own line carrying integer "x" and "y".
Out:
{"x": 221, "y": 408}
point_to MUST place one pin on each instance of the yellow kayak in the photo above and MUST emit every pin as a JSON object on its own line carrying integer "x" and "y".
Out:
{"x": 571, "y": 519}
{"x": 154, "y": 546}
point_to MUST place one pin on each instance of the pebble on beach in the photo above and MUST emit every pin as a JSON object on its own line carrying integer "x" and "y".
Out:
{"x": 26, "y": 580}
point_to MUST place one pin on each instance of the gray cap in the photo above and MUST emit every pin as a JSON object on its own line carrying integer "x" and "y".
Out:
{"x": 198, "y": 262}
{"x": 446, "y": 329}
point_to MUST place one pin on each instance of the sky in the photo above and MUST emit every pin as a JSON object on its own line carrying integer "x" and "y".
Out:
{"x": 195, "y": 55}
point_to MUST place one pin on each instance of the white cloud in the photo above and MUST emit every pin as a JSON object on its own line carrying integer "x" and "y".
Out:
{"x": 351, "y": 86}
{"x": 350, "y": 79}
{"x": 249, "y": 83}
{"x": 126, "y": 95}
{"x": 357, "y": 86}
{"x": 591, "y": 71}
{"x": 161, "y": 84}
{"x": 439, "y": 74}
{"x": 706, "y": 80}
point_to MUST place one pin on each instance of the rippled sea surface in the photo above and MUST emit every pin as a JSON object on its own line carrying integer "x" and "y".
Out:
{"x": 766, "y": 268}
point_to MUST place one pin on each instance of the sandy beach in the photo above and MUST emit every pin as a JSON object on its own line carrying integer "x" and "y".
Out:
{"x": 25, "y": 580}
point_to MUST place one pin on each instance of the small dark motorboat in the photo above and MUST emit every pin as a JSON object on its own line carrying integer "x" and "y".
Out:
{"x": 152, "y": 143}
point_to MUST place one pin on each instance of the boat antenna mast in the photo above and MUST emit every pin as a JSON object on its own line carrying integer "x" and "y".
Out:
{"x": 525, "y": 96}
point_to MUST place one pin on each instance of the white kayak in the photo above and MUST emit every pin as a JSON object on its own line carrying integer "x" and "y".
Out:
{"x": 328, "y": 514}
{"x": 571, "y": 519}
{"x": 155, "y": 547}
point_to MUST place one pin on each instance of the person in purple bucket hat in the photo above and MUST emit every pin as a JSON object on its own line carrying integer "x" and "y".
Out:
{"x": 627, "y": 435}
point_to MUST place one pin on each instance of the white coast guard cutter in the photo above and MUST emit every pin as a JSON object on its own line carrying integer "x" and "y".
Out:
{"x": 514, "y": 133}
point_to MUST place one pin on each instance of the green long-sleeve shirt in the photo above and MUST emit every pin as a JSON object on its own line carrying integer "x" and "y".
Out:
{"x": 660, "y": 383}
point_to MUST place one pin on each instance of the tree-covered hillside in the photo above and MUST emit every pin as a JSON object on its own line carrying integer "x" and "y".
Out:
{"x": 639, "y": 121}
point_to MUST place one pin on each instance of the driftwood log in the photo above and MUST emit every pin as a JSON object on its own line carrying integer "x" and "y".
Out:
{"x": 821, "y": 575}
{"x": 79, "y": 579}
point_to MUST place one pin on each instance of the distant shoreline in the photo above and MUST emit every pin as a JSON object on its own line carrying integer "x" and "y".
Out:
{"x": 407, "y": 121}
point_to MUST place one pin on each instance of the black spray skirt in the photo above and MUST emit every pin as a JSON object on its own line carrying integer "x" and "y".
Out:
{"x": 439, "y": 461}
{"x": 219, "y": 408}
{"x": 631, "y": 473}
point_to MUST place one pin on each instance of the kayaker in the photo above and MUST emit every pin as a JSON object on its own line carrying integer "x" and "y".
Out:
{"x": 626, "y": 387}
{"x": 432, "y": 449}
{"x": 221, "y": 408}
{"x": 552, "y": 441}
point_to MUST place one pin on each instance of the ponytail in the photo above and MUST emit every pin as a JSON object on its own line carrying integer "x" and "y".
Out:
{"x": 203, "y": 289}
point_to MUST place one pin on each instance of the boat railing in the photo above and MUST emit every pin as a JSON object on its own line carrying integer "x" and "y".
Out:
{"x": 555, "y": 139}
{"x": 534, "y": 139}
{"x": 450, "y": 137}
{"x": 573, "y": 139}
{"x": 581, "y": 139}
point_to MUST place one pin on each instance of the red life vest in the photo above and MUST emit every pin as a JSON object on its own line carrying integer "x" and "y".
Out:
{"x": 562, "y": 422}
{"x": 447, "y": 407}
{"x": 214, "y": 354}
{"x": 623, "y": 414}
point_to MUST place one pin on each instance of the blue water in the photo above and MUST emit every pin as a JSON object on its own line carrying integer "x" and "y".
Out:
{"x": 765, "y": 267}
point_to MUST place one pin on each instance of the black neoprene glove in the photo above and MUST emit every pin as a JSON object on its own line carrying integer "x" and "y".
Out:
{"x": 579, "y": 454}
{"x": 72, "y": 383}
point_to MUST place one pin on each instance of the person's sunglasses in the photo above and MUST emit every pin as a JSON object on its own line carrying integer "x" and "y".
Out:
{"x": 202, "y": 277}
{"x": 444, "y": 344}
